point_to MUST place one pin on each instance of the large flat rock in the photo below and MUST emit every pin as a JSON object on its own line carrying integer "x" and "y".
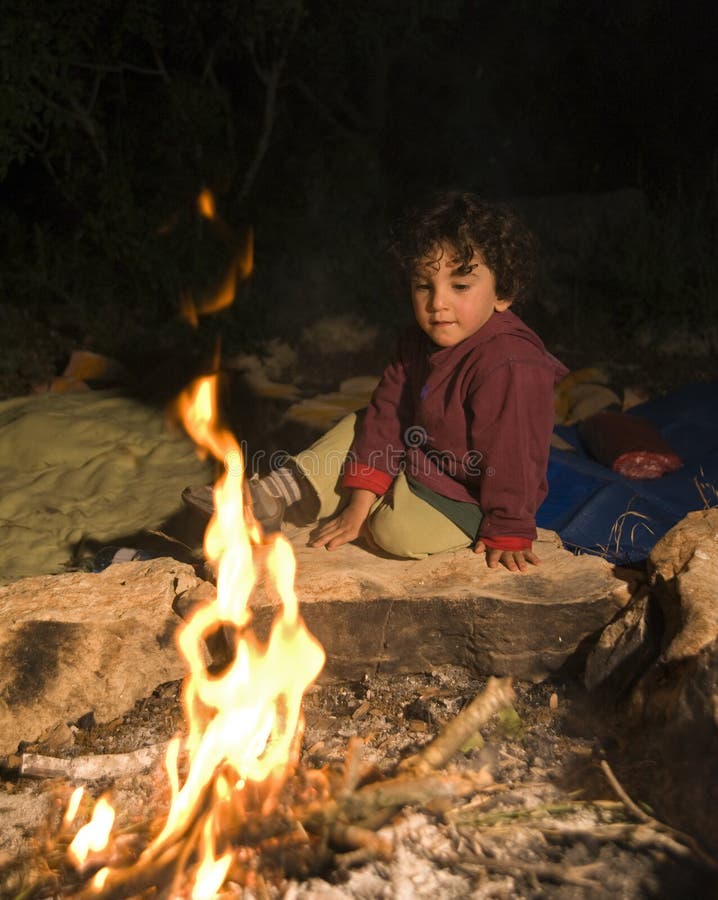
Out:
{"x": 401, "y": 616}
{"x": 79, "y": 643}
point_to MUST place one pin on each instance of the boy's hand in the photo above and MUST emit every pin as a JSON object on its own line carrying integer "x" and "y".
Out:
{"x": 514, "y": 560}
{"x": 347, "y": 525}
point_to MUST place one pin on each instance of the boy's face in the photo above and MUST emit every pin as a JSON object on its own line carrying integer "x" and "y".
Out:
{"x": 451, "y": 301}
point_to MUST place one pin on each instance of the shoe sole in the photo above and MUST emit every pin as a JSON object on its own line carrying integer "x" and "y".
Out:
{"x": 199, "y": 499}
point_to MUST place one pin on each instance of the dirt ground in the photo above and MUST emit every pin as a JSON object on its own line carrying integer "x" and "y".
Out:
{"x": 548, "y": 826}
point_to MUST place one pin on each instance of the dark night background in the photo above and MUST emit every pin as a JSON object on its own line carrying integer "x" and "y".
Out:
{"x": 315, "y": 122}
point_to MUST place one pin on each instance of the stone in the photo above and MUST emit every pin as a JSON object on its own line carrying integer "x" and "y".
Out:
{"x": 683, "y": 570}
{"x": 82, "y": 643}
{"x": 675, "y": 711}
{"x": 674, "y": 615}
{"x": 394, "y": 616}
{"x": 673, "y": 708}
{"x": 625, "y": 649}
{"x": 86, "y": 643}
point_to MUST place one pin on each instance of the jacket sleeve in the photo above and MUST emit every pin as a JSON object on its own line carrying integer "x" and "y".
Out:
{"x": 378, "y": 451}
{"x": 512, "y": 420}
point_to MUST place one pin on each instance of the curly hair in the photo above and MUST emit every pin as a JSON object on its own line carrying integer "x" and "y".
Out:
{"x": 472, "y": 227}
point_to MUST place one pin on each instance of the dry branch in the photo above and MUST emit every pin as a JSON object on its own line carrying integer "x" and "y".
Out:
{"x": 497, "y": 695}
{"x": 91, "y": 768}
{"x": 679, "y": 836}
{"x": 636, "y": 836}
{"x": 581, "y": 876}
{"x": 421, "y": 790}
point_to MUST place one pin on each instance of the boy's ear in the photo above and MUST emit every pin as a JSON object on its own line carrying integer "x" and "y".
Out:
{"x": 502, "y": 305}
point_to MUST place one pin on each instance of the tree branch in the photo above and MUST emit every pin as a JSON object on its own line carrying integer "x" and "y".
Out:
{"x": 269, "y": 115}
{"x": 117, "y": 68}
{"x": 82, "y": 117}
{"x": 325, "y": 112}
{"x": 85, "y": 119}
{"x": 270, "y": 78}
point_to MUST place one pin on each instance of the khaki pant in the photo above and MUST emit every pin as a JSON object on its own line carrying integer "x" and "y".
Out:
{"x": 401, "y": 523}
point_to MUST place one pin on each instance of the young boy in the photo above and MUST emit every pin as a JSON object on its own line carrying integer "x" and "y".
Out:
{"x": 453, "y": 448}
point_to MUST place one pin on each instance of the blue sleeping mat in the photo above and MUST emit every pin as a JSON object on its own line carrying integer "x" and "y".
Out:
{"x": 595, "y": 510}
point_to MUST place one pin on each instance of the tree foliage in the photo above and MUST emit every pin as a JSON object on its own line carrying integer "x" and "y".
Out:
{"x": 113, "y": 115}
{"x": 311, "y": 119}
{"x": 113, "y": 84}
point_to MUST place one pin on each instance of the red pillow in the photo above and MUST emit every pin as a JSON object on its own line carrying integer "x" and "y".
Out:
{"x": 628, "y": 445}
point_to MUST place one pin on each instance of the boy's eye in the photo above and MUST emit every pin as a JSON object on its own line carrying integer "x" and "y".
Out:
{"x": 421, "y": 286}
{"x": 461, "y": 287}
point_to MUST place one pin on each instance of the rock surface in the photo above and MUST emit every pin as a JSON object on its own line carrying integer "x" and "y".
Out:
{"x": 672, "y": 711}
{"x": 673, "y": 615}
{"x": 83, "y": 643}
{"x": 683, "y": 570}
{"x": 684, "y": 579}
{"x": 675, "y": 709}
{"x": 79, "y": 643}
{"x": 625, "y": 649}
{"x": 376, "y": 615}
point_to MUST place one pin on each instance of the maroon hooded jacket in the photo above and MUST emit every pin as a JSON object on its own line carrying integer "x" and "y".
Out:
{"x": 471, "y": 422}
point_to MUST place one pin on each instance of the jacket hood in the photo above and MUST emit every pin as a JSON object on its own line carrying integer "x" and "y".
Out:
{"x": 500, "y": 324}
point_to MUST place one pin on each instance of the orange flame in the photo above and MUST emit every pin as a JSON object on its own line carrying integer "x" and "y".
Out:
{"x": 206, "y": 204}
{"x": 240, "y": 267}
{"x": 245, "y": 723}
{"x": 245, "y": 720}
{"x": 95, "y": 835}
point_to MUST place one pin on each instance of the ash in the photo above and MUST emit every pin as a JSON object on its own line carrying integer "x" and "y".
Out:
{"x": 549, "y": 826}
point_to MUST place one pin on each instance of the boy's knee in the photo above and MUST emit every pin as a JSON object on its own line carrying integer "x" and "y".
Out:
{"x": 390, "y": 535}
{"x": 390, "y": 532}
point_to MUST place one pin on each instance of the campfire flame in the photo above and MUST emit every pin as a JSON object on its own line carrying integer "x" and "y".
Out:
{"x": 239, "y": 269}
{"x": 94, "y": 835}
{"x": 244, "y": 723}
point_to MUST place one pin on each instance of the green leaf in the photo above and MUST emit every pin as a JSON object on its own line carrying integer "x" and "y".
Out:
{"x": 475, "y": 742}
{"x": 510, "y": 724}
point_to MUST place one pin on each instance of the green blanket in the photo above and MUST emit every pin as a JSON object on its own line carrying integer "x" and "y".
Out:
{"x": 91, "y": 465}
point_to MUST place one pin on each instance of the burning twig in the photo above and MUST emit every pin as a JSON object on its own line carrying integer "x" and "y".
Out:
{"x": 319, "y": 820}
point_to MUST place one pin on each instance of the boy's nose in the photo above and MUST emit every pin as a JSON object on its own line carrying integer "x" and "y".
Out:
{"x": 437, "y": 300}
